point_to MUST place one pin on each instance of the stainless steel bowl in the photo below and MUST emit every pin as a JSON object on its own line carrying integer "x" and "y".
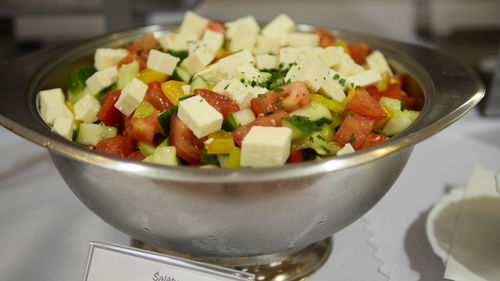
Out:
{"x": 233, "y": 212}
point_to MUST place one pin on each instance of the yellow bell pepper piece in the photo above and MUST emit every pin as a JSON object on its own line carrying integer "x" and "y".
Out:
{"x": 330, "y": 103}
{"x": 349, "y": 97}
{"x": 340, "y": 43}
{"x": 220, "y": 142}
{"x": 383, "y": 84}
{"x": 70, "y": 106}
{"x": 172, "y": 89}
{"x": 234, "y": 158}
{"x": 148, "y": 75}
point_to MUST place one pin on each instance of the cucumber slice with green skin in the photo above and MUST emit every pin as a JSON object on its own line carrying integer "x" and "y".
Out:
{"x": 146, "y": 148}
{"x": 223, "y": 159}
{"x": 76, "y": 83}
{"x": 243, "y": 116}
{"x": 398, "y": 123}
{"x": 126, "y": 73}
{"x": 319, "y": 140}
{"x": 230, "y": 124}
{"x": 300, "y": 126}
{"x": 181, "y": 75}
{"x": 91, "y": 134}
{"x": 76, "y": 80}
{"x": 182, "y": 54}
{"x": 314, "y": 110}
{"x": 198, "y": 83}
{"x": 163, "y": 155}
{"x": 144, "y": 109}
{"x": 100, "y": 96}
{"x": 391, "y": 105}
{"x": 208, "y": 158}
{"x": 164, "y": 119}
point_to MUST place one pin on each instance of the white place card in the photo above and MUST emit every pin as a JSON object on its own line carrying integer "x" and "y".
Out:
{"x": 110, "y": 262}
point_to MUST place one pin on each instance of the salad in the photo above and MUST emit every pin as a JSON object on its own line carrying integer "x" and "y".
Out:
{"x": 231, "y": 95}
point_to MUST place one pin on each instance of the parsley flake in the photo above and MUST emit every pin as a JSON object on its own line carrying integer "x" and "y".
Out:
{"x": 352, "y": 138}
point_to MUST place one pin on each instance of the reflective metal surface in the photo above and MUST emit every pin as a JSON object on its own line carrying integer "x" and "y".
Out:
{"x": 235, "y": 212}
{"x": 294, "y": 265}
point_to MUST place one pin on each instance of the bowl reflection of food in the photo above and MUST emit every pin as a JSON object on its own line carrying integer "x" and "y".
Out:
{"x": 234, "y": 212}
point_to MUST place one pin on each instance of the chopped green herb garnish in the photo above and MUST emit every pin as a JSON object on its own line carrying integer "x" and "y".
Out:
{"x": 254, "y": 83}
{"x": 352, "y": 138}
{"x": 336, "y": 77}
{"x": 278, "y": 89}
{"x": 139, "y": 52}
{"x": 404, "y": 107}
{"x": 322, "y": 121}
{"x": 279, "y": 102}
{"x": 342, "y": 82}
{"x": 261, "y": 95}
{"x": 268, "y": 112}
{"x": 302, "y": 123}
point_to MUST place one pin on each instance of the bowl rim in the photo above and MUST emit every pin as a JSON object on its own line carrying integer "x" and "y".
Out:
{"x": 42, "y": 63}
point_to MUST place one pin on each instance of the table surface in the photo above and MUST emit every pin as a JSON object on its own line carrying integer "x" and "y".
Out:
{"x": 45, "y": 230}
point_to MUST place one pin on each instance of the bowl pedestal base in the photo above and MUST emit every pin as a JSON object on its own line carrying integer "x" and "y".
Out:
{"x": 293, "y": 265}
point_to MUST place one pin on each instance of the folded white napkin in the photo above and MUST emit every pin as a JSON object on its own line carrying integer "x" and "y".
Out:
{"x": 475, "y": 251}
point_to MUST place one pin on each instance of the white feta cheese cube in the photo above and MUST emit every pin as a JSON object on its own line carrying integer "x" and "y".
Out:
{"x": 162, "y": 62}
{"x": 213, "y": 39}
{"x": 86, "y": 109}
{"x": 345, "y": 150}
{"x": 312, "y": 72}
{"x": 347, "y": 66}
{"x": 266, "y": 45}
{"x": 235, "y": 90}
{"x": 186, "y": 89}
{"x": 199, "y": 116}
{"x": 225, "y": 68}
{"x": 300, "y": 39}
{"x": 248, "y": 73}
{"x": 132, "y": 95}
{"x": 266, "y": 146}
{"x": 102, "y": 79}
{"x": 331, "y": 55}
{"x": 266, "y": 61}
{"x": 193, "y": 24}
{"x": 296, "y": 55}
{"x": 108, "y": 57}
{"x": 376, "y": 60}
{"x": 49, "y": 98}
{"x": 57, "y": 111}
{"x": 199, "y": 57}
{"x": 332, "y": 88}
{"x": 364, "y": 78}
{"x": 244, "y": 116}
{"x": 176, "y": 41}
{"x": 64, "y": 127}
{"x": 279, "y": 27}
{"x": 242, "y": 33}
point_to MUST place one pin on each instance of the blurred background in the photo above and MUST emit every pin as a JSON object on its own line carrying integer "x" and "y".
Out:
{"x": 469, "y": 29}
